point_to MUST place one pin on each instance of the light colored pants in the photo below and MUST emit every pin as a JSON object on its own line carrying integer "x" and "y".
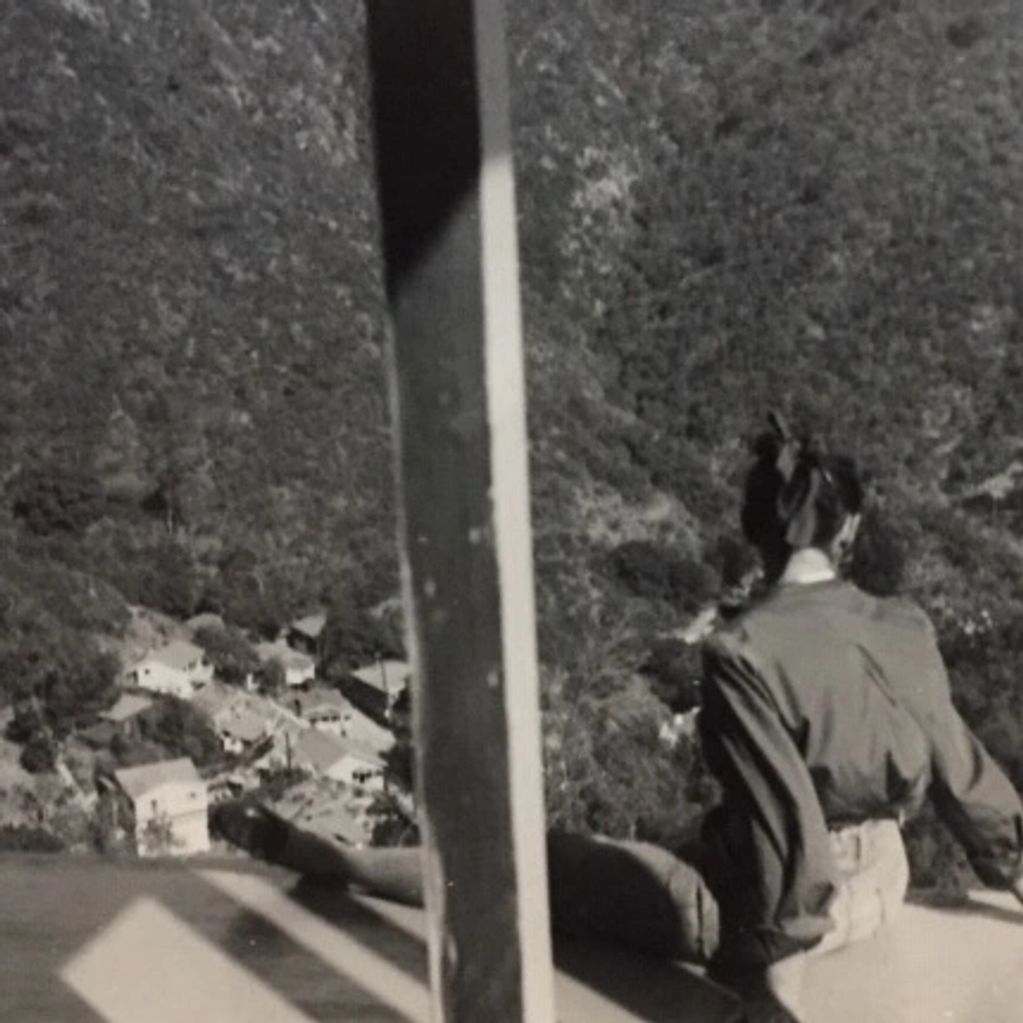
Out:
{"x": 874, "y": 872}
{"x": 639, "y": 894}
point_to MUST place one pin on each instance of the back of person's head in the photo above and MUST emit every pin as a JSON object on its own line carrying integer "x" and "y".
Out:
{"x": 796, "y": 494}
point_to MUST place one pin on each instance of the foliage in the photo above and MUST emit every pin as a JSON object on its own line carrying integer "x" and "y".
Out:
{"x": 393, "y": 810}
{"x": 276, "y": 782}
{"x": 38, "y": 755}
{"x": 233, "y": 657}
{"x": 353, "y": 636}
{"x": 157, "y": 838}
{"x": 180, "y": 730}
{"x": 24, "y": 838}
{"x": 271, "y": 676}
{"x": 55, "y": 499}
{"x": 651, "y": 571}
{"x": 723, "y": 208}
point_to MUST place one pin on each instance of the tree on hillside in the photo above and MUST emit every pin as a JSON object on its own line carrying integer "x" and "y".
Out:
{"x": 233, "y": 657}
{"x": 181, "y": 730}
{"x": 353, "y": 636}
{"x": 39, "y": 755}
{"x": 169, "y": 579}
{"x": 393, "y": 810}
{"x": 56, "y": 499}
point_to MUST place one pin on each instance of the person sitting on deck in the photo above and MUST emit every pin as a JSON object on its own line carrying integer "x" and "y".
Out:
{"x": 827, "y": 718}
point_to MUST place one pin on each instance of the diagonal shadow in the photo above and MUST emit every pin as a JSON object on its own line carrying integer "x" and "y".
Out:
{"x": 649, "y": 989}
{"x": 968, "y": 906}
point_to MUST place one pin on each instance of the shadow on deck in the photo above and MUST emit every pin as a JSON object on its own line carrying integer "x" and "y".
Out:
{"x": 88, "y": 940}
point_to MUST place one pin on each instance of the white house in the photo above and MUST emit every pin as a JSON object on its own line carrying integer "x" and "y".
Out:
{"x": 240, "y": 728}
{"x": 167, "y": 803}
{"x": 340, "y": 760}
{"x": 177, "y": 668}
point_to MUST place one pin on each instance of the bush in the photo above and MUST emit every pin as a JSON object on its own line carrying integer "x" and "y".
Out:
{"x": 879, "y": 558}
{"x": 181, "y": 730}
{"x": 649, "y": 570}
{"x": 55, "y": 499}
{"x": 231, "y": 654}
{"x": 38, "y": 756}
{"x": 20, "y": 838}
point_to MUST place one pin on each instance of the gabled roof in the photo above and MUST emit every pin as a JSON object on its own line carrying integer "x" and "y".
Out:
{"x": 137, "y": 781}
{"x": 288, "y": 656}
{"x": 319, "y": 698}
{"x": 178, "y": 654}
{"x": 242, "y": 723}
{"x": 311, "y": 625}
{"x": 321, "y": 750}
{"x": 386, "y": 676}
{"x": 128, "y": 706}
{"x": 215, "y": 697}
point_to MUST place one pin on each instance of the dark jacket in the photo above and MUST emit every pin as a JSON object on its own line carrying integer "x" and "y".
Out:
{"x": 824, "y": 706}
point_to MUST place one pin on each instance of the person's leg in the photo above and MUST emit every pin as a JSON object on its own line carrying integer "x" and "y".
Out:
{"x": 393, "y": 874}
{"x": 631, "y": 893}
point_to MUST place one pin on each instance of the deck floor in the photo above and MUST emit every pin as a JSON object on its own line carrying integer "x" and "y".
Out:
{"x": 89, "y": 941}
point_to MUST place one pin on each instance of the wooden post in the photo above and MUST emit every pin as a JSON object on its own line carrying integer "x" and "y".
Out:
{"x": 448, "y": 217}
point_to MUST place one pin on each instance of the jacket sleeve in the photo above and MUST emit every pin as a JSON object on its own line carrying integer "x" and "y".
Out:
{"x": 788, "y": 879}
{"x": 971, "y": 793}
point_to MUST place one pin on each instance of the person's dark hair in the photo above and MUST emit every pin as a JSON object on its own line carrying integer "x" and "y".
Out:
{"x": 796, "y": 495}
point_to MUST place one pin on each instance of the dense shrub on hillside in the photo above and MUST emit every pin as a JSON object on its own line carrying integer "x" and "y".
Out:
{"x": 38, "y": 755}
{"x": 21, "y": 838}
{"x": 651, "y": 571}
{"x": 55, "y": 499}
{"x": 229, "y": 651}
{"x": 354, "y": 636}
{"x": 724, "y": 208}
{"x": 180, "y": 730}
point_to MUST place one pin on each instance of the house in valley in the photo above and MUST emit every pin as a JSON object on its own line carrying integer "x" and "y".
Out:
{"x": 124, "y": 714}
{"x": 177, "y": 668}
{"x": 340, "y": 760}
{"x": 163, "y": 806}
{"x": 376, "y": 687}
{"x": 304, "y": 634}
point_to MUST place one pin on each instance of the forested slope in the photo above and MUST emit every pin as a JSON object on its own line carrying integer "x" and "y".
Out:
{"x": 724, "y": 208}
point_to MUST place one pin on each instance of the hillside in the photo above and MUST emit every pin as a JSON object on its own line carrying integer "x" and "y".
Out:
{"x": 813, "y": 206}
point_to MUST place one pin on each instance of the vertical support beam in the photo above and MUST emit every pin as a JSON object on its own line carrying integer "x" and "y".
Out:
{"x": 446, "y": 192}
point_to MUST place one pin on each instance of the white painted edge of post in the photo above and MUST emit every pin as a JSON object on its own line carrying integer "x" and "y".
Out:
{"x": 506, "y": 398}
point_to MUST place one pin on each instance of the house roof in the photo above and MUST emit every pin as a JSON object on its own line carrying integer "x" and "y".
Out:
{"x": 289, "y": 657}
{"x": 321, "y": 750}
{"x": 242, "y": 723}
{"x": 178, "y": 653}
{"x": 387, "y": 676}
{"x": 137, "y": 781}
{"x": 319, "y": 698}
{"x": 214, "y": 697}
{"x": 99, "y": 735}
{"x": 310, "y": 625}
{"x": 128, "y": 706}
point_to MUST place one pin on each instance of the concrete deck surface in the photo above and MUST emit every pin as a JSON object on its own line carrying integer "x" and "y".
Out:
{"x": 85, "y": 941}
